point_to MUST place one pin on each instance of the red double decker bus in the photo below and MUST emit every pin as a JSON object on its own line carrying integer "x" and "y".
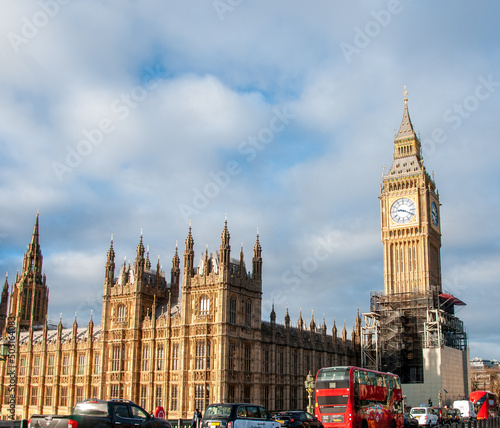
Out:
{"x": 485, "y": 404}
{"x": 359, "y": 398}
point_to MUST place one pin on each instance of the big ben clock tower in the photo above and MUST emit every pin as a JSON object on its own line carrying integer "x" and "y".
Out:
{"x": 409, "y": 205}
{"x": 411, "y": 329}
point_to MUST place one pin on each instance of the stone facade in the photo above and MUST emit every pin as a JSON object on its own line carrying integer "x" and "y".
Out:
{"x": 158, "y": 349}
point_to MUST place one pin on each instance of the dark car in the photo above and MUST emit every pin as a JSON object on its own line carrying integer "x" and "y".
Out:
{"x": 297, "y": 419}
{"x": 442, "y": 415}
{"x": 237, "y": 415}
{"x": 410, "y": 421}
{"x": 454, "y": 416}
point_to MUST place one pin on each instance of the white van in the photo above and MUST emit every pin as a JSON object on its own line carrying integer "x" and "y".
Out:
{"x": 426, "y": 416}
{"x": 466, "y": 409}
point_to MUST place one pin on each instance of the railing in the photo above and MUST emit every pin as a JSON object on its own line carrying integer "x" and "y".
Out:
{"x": 176, "y": 423}
{"x": 481, "y": 423}
{"x": 180, "y": 423}
{"x": 23, "y": 423}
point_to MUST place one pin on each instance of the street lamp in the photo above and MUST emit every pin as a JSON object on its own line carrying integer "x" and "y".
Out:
{"x": 4, "y": 351}
{"x": 309, "y": 385}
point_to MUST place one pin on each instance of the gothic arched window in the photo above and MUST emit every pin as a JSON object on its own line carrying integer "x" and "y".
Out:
{"x": 232, "y": 310}
{"x": 204, "y": 305}
{"x": 248, "y": 313}
{"x": 121, "y": 313}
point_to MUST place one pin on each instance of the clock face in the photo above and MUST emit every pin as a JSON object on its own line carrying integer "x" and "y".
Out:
{"x": 403, "y": 210}
{"x": 434, "y": 214}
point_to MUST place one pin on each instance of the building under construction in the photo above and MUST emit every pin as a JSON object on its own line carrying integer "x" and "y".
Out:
{"x": 412, "y": 329}
{"x": 399, "y": 327}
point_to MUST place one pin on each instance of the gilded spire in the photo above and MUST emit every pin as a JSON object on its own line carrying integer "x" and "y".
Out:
{"x": 406, "y": 145}
{"x": 406, "y": 128}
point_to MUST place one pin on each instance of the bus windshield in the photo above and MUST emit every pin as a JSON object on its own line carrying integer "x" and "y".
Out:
{"x": 333, "y": 377}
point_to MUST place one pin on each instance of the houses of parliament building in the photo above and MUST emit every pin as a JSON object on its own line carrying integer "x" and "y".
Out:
{"x": 157, "y": 347}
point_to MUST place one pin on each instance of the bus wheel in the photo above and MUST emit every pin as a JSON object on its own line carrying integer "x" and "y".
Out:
{"x": 393, "y": 424}
{"x": 364, "y": 424}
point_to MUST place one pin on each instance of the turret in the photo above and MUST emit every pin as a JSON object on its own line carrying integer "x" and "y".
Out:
{"x": 29, "y": 298}
{"x": 158, "y": 273}
{"x": 357, "y": 329}
{"x": 148, "y": 262}
{"x": 75, "y": 330}
{"x": 287, "y": 318}
{"x": 90, "y": 328}
{"x": 257, "y": 260}
{"x": 312, "y": 328}
{"x": 241, "y": 266}
{"x": 124, "y": 272}
{"x": 175, "y": 274}
{"x": 140, "y": 264}
{"x": 312, "y": 324}
{"x": 206, "y": 264}
{"x": 225, "y": 249}
{"x": 109, "y": 270}
{"x": 189, "y": 255}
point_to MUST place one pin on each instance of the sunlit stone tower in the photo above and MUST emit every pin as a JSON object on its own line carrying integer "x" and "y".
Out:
{"x": 30, "y": 295}
{"x": 412, "y": 329}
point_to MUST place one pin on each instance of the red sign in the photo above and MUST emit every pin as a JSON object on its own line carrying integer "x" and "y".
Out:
{"x": 159, "y": 412}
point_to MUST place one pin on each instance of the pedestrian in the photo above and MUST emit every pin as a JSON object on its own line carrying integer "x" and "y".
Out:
{"x": 195, "y": 423}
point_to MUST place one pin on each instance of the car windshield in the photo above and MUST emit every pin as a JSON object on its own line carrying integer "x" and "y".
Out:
{"x": 417, "y": 411}
{"x": 218, "y": 411}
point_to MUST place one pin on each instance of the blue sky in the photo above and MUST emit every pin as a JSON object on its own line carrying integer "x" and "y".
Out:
{"x": 122, "y": 116}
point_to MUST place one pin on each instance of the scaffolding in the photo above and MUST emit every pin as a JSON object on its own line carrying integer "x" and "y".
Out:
{"x": 399, "y": 326}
